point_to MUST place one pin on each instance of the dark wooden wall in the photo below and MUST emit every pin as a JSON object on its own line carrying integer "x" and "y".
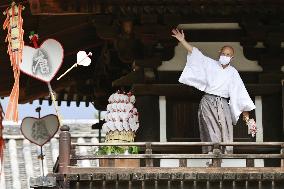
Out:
{"x": 182, "y": 122}
{"x": 149, "y": 118}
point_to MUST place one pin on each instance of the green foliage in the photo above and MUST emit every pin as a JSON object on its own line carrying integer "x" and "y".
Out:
{"x": 115, "y": 150}
{"x": 133, "y": 150}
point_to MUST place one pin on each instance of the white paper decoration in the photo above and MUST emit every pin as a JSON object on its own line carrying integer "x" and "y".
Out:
{"x": 121, "y": 113}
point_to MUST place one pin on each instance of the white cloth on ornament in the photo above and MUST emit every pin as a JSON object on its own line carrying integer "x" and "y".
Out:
{"x": 208, "y": 75}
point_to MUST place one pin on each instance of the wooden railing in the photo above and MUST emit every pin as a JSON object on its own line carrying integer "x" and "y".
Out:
{"x": 69, "y": 175}
{"x": 148, "y": 149}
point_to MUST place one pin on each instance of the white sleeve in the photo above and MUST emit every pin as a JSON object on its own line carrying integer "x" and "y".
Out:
{"x": 194, "y": 73}
{"x": 240, "y": 100}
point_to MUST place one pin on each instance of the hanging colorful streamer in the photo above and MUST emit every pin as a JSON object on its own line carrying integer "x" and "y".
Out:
{"x": 14, "y": 24}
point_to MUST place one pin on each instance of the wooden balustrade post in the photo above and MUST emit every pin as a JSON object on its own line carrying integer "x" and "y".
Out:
{"x": 249, "y": 162}
{"x": 182, "y": 162}
{"x": 149, "y": 162}
{"x": 64, "y": 149}
{"x": 217, "y": 153}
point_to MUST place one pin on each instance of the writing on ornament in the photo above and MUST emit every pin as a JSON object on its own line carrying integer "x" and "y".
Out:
{"x": 39, "y": 130}
{"x": 40, "y": 63}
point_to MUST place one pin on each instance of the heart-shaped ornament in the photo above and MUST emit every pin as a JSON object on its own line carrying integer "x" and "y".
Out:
{"x": 83, "y": 59}
{"x": 44, "y": 62}
{"x": 40, "y": 130}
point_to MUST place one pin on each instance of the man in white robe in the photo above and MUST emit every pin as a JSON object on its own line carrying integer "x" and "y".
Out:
{"x": 225, "y": 94}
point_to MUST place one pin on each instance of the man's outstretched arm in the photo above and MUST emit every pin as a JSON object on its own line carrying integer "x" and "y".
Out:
{"x": 179, "y": 35}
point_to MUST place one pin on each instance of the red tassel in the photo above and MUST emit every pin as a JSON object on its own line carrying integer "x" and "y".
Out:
{"x": 35, "y": 40}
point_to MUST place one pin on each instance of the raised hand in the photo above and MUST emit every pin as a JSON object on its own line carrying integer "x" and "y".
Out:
{"x": 179, "y": 35}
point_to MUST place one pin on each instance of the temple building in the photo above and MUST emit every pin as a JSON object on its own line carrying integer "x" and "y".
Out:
{"x": 133, "y": 50}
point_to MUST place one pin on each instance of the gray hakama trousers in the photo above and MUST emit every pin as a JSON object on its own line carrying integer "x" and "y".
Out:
{"x": 215, "y": 122}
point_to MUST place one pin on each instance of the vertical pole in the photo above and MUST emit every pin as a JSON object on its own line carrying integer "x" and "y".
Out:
{"x": 282, "y": 153}
{"x": 38, "y": 109}
{"x": 283, "y": 106}
{"x": 64, "y": 149}
{"x": 149, "y": 162}
{"x": 100, "y": 134}
{"x": 41, "y": 158}
{"x": 217, "y": 153}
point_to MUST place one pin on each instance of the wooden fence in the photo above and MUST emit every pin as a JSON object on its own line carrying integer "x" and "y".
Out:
{"x": 67, "y": 174}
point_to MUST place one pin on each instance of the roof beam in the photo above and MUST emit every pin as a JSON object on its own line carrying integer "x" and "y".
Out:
{"x": 183, "y": 91}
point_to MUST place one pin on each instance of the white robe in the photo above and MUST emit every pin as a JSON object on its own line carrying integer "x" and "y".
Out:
{"x": 208, "y": 75}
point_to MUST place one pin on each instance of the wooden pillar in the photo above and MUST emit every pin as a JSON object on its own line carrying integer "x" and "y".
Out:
{"x": 64, "y": 149}
{"x": 149, "y": 118}
{"x": 282, "y": 108}
{"x": 282, "y": 153}
{"x": 272, "y": 129}
{"x": 272, "y": 121}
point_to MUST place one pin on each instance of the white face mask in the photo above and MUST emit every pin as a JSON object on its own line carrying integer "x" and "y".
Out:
{"x": 224, "y": 60}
